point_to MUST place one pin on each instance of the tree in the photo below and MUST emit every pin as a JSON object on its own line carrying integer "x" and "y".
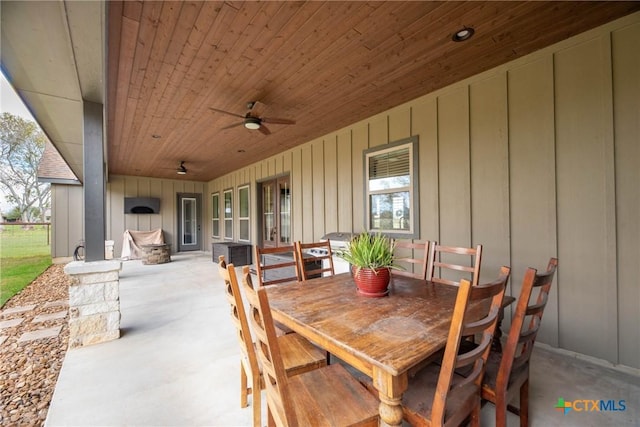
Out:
{"x": 13, "y": 215}
{"x": 21, "y": 148}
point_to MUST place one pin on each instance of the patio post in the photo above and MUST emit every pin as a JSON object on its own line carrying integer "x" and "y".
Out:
{"x": 94, "y": 181}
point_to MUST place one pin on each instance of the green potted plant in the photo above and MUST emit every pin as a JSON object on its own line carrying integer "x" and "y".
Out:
{"x": 371, "y": 257}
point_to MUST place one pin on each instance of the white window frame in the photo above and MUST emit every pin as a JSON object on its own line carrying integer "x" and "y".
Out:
{"x": 227, "y": 216}
{"x": 242, "y": 219}
{"x": 215, "y": 214}
{"x": 413, "y": 231}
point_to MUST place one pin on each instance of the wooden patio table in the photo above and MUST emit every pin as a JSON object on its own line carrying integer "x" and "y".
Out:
{"x": 381, "y": 337}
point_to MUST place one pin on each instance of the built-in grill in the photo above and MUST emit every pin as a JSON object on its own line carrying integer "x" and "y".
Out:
{"x": 338, "y": 240}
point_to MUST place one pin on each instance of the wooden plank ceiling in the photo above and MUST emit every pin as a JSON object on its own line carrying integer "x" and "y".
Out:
{"x": 324, "y": 65}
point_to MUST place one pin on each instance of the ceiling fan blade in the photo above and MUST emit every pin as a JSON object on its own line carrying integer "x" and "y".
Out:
{"x": 278, "y": 121}
{"x": 256, "y": 108}
{"x": 264, "y": 130}
{"x": 232, "y": 126}
{"x": 226, "y": 112}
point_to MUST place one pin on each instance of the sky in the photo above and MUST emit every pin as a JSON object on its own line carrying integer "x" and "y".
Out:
{"x": 10, "y": 103}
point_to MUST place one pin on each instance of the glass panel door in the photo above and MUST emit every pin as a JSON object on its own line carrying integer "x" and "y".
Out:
{"x": 275, "y": 212}
{"x": 269, "y": 229}
{"x": 189, "y": 221}
{"x": 285, "y": 211}
{"x": 189, "y": 236}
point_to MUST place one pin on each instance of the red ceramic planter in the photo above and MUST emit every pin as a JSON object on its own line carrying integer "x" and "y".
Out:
{"x": 372, "y": 283}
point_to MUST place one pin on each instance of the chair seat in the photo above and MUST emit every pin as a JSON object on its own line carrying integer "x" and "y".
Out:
{"x": 507, "y": 301}
{"x": 517, "y": 376}
{"x": 507, "y": 371}
{"x": 299, "y": 355}
{"x": 282, "y": 330}
{"x": 421, "y": 391}
{"x": 327, "y": 396}
{"x": 437, "y": 395}
{"x": 332, "y": 397}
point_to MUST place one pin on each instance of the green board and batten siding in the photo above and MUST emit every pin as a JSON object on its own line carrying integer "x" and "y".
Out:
{"x": 536, "y": 158}
{"x": 532, "y": 215}
{"x": 626, "y": 93}
{"x": 586, "y": 199}
{"x": 539, "y": 157}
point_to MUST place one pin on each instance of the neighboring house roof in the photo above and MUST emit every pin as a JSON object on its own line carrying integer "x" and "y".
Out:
{"x": 54, "y": 169}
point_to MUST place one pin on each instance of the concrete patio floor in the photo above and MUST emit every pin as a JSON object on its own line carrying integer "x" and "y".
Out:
{"x": 177, "y": 363}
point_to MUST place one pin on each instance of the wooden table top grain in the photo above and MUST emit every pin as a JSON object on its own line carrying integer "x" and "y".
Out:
{"x": 384, "y": 338}
{"x": 394, "y": 332}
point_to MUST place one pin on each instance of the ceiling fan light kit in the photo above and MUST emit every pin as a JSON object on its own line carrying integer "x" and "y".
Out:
{"x": 181, "y": 169}
{"x": 252, "y": 120}
{"x": 252, "y": 123}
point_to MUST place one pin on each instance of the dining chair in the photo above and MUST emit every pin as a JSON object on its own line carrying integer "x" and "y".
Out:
{"x": 415, "y": 263}
{"x": 323, "y": 256}
{"x": 328, "y": 396}
{"x": 507, "y": 373}
{"x": 277, "y": 265}
{"x": 449, "y": 264}
{"x": 439, "y": 396}
{"x": 299, "y": 354}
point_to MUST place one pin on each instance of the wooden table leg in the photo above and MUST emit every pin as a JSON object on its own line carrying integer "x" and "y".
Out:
{"x": 390, "y": 411}
{"x": 496, "y": 345}
{"x": 390, "y": 390}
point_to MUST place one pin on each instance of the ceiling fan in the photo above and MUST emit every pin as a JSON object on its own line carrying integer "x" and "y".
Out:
{"x": 181, "y": 170}
{"x": 252, "y": 119}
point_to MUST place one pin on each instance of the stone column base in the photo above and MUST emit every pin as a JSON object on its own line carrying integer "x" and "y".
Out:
{"x": 94, "y": 302}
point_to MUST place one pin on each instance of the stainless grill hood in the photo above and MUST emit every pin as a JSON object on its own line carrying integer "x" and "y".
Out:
{"x": 338, "y": 236}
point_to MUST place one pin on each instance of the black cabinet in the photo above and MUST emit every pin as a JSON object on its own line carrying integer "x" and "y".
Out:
{"x": 234, "y": 253}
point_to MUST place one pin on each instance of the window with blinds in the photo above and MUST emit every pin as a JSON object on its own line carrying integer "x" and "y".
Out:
{"x": 391, "y": 169}
{"x": 391, "y": 188}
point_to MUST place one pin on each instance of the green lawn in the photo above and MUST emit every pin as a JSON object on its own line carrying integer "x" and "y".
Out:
{"x": 24, "y": 255}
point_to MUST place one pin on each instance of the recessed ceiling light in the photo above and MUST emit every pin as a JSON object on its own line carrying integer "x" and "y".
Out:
{"x": 463, "y": 34}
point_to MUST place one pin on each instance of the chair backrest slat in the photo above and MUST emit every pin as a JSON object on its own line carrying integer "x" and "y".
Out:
{"x": 325, "y": 259}
{"x": 287, "y": 265}
{"x": 520, "y": 341}
{"x": 471, "y": 356}
{"x": 443, "y": 269}
{"x": 412, "y": 256}
{"x": 269, "y": 354}
{"x": 475, "y": 306}
{"x": 238, "y": 315}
